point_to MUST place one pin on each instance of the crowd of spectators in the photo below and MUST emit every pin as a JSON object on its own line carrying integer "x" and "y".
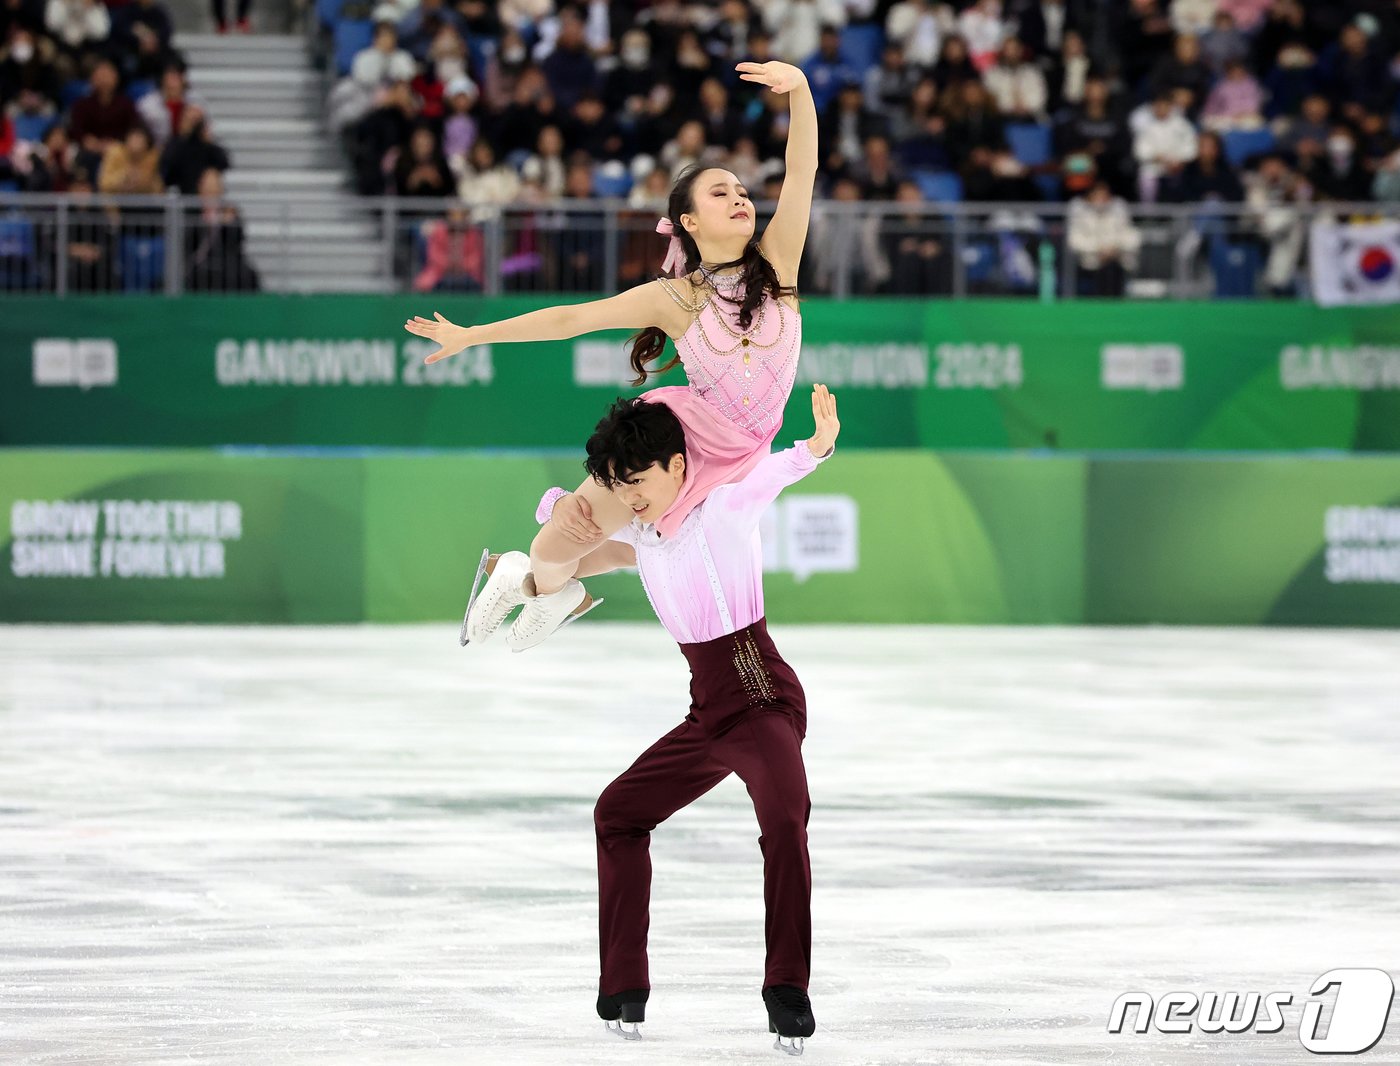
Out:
{"x": 94, "y": 99}
{"x": 1264, "y": 103}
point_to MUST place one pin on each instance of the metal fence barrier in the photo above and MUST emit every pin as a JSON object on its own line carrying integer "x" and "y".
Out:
{"x": 74, "y": 244}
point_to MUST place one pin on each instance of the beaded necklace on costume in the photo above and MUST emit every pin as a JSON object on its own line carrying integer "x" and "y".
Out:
{"x": 754, "y": 416}
{"x": 727, "y": 283}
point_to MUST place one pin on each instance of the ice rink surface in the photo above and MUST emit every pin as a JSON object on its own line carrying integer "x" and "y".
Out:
{"x": 367, "y": 845}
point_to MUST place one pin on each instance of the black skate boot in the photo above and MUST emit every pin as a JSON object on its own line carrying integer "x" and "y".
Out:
{"x": 629, "y": 1007}
{"x": 789, "y": 1015}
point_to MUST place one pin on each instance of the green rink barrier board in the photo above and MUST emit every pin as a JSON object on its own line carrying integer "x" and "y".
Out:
{"x": 329, "y": 370}
{"x": 872, "y": 536}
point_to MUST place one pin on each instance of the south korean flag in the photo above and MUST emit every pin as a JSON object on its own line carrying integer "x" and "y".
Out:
{"x": 1355, "y": 263}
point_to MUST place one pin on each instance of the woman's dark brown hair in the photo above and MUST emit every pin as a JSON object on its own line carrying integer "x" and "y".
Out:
{"x": 759, "y": 277}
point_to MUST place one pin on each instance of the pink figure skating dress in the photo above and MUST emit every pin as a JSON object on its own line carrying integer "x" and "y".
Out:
{"x": 739, "y": 384}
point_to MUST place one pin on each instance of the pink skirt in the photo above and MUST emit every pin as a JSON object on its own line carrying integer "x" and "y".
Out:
{"x": 717, "y": 452}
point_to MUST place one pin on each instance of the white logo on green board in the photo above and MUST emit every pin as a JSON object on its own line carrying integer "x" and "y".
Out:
{"x": 602, "y": 364}
{"x": 889, "y": 365}
{"x": 1363, "y": 545}
{"x": 978, "y": 366}
{"x": 122, "y": 538}
{"x": 806, "y": 535}
{"x": 1142, "y": 367}
{"x": 356, "y": 362}
{"x": 85, "y": 363}
{"x": 1364, "y": 368}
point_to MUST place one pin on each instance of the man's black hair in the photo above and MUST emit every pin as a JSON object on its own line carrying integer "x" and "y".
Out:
{"x": 632, "y": 436}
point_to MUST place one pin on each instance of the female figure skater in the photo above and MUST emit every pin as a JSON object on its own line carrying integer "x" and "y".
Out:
{"x": 748, "y": 713}
{"x": 730, "y": 307}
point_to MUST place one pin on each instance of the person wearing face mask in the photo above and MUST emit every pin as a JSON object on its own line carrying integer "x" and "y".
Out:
{"x": 25, "y": 65}
{"x": 626, "y": 86}
{"x": 1336, "y": 172}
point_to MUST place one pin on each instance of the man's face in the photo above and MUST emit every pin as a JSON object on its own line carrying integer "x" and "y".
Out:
{"x": 651, "y": 492}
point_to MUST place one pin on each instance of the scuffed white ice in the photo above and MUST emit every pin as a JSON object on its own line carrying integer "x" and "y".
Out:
{"x": 366, "y": 845}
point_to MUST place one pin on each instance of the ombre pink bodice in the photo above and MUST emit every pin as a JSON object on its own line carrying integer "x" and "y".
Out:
{"x": 746, "y": 376}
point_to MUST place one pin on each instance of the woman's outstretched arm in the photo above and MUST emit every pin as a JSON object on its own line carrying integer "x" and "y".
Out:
{"x": 636, "y": 308}
{"x": 786, "y": 234}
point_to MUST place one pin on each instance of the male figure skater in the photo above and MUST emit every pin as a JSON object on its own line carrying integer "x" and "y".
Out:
{"x": 748, "y": 711}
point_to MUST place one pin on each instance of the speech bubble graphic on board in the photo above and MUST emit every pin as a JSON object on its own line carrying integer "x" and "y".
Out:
{"x": 820, "y": 534}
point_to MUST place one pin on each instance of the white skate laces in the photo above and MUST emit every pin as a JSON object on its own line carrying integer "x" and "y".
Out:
{"x": 502, "y": 594}
{"x": 545, "y": 613}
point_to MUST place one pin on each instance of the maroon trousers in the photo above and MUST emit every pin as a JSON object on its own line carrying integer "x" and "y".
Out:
{"x": 748, "y": 715}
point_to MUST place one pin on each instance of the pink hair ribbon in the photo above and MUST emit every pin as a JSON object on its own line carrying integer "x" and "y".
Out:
{"x": 674, "y": 263}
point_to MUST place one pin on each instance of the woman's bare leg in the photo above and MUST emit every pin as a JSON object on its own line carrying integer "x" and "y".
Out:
{"x": 609, "y": 556}
{"x": 554, "y": 557}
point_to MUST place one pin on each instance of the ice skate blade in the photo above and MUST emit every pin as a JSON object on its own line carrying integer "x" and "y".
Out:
{"x": 793, "y": 1048}
{"x": 471, "y": 600}
{"x": 575, "y": 617}
{"x": 627, "y": 1034}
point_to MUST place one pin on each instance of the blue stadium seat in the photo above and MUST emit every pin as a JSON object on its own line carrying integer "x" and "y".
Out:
{"x": 9, "y": 185}
{"x": 32, "y": 127}
{"x": 351, "y": 36}
{"x": 980, "y": 260}
{"x": 72, "y": 92}
{"x": 861, "y": 45}
{"x": 142, "y": 262}
{"x": 1241, "y": 144}
{"x": 1236, "y": 269}
{"x": 939, "y": 186}
{"x": 328, "y": 12}
{"x": 137, "y": 89}
{"x": 1050, "y": 186}
{"x": 1029, "y": 142}
{"x": 420, "y": 244}
{"x": 605, "y": 184}
{"x": 18, "y": 261}
{"x": 480, "y": 49}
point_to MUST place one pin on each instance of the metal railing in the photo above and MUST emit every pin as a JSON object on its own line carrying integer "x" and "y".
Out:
{"x": 171, "y": 244}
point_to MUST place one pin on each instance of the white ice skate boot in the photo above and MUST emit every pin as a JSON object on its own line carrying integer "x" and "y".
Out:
{"x": 544, "y": 614}
{"x": 502, "y": 594}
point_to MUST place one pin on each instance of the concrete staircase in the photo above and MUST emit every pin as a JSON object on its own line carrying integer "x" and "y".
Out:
{"x": 307, "y": 230}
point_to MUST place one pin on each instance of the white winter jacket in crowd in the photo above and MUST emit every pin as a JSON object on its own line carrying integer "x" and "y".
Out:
{"x": 1017, "y": 90}
{"x": 371, "y": 67}
{"x": 920, "y": 30}
{"x": 796, "y": 26}
{"x": 77, "y": 22}
{"x": 1095, "y": 231}
{"x": 1171, "y": 139}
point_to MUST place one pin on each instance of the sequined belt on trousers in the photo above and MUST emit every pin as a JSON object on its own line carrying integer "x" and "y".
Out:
{"x": 740, "y": 673}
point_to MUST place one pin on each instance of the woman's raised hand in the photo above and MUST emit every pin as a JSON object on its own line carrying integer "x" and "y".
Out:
{"x": 824, "y": 415}
{"x": 780, "y": 77}
{"x": 452, "y": 338}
